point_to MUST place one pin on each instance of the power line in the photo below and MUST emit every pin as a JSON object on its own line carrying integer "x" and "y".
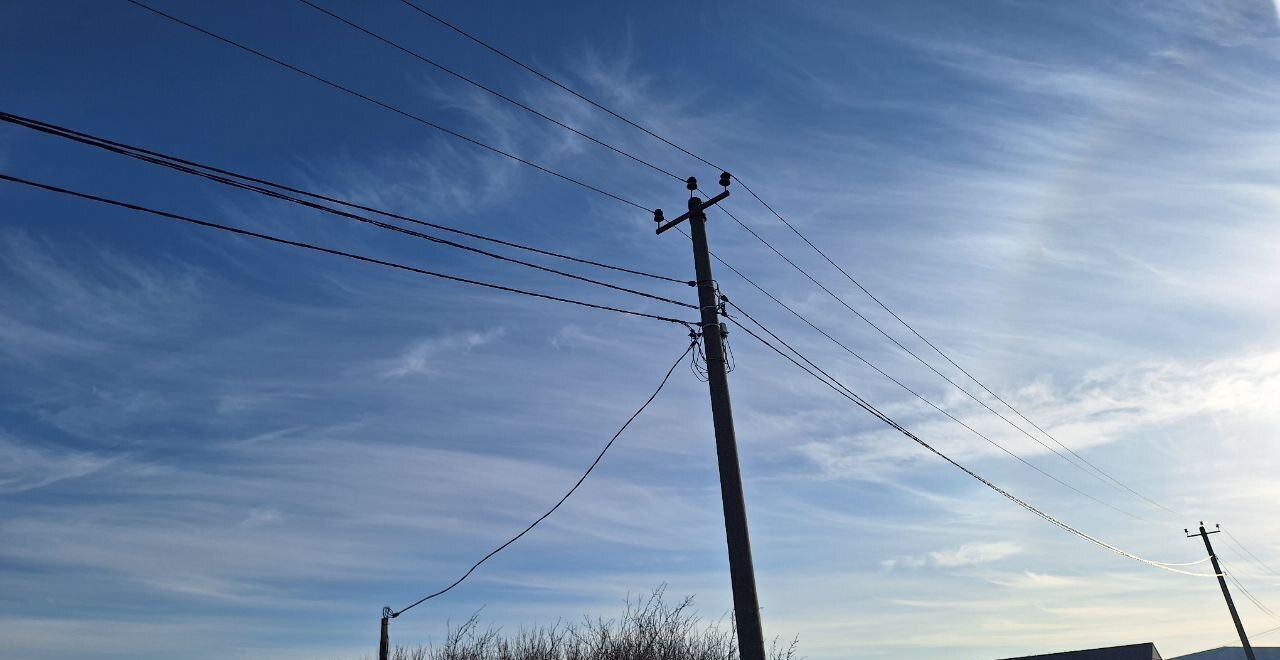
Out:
{"x": 171, "y": 161}
{"x": 1248, "y": 594}
{"x": 1251, "y": 557}
{"x": 1111, "y": 480}
{"x": 555, "y": 82}
{"x": 404, "y": 113}
{"x": 903, "y": 347}
{"x": 369, "y": 221}
{"x": 552, "y": 510}
{"x": 1253, "y": 636}
{"x": 940, "y": 352}
{"x": 907, "y": 388}
{"x": 593, "y": 139}
{"x": 426, "y": 60}
{"x": 924, "y": 399}
{"x": 340, "y": 253}
{"x": 831, "y": 382}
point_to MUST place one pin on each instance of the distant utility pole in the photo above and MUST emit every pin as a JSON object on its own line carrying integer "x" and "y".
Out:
{"x": 742, "y": 576}
{"x": 1222, "y": 582}
{"x": 384, "y": 643}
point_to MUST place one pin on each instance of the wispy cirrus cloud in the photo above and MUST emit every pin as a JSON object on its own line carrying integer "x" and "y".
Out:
{"x": 25, "y": 467}
{"x": 421, "y": 358}
{"x": 1079, "y": 213}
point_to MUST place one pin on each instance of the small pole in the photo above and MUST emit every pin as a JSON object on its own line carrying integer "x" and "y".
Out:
{"x": 742, "y": 577}
{"x": 1222, "y": 582}
{"x": 384, "y": 643}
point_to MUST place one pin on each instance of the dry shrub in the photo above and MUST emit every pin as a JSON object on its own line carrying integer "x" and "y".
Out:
{"x": 648, "y": 629}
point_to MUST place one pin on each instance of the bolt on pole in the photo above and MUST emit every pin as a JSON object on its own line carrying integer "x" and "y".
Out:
{"x": 1222, "y": 582}
{"x": 746, "y": 604}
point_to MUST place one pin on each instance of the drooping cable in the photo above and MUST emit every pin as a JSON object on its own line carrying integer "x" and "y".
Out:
{"x": 426, "y": 60}
{"x": 387, "y": 106}
{"x": 833, "y": 383}
{"x": 340, "y": 253}
{"x": 1188, "y": 563}
{"x": 561, "y": 501}
{"x": 170, "y": 160}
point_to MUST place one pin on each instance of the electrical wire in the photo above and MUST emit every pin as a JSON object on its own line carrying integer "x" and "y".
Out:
{"x": 555, "y": 82}
{"x": 369, "y": 221}
{"x": 571, "y": 491}
{"x": 340, "y": 253}
{"x": 944, "y": 356}
{"x": 1252, "y": 637}
{"x": 903, "y": 347}
{"x": 426, "y": 60}
{"x": 206, "y": 171}
{"x": 1188, "y": 563}
{"x": 831, "y": 382}
{"x": 1249, "y": 594}
{"x": 919, "y": 396}
{"x": 908, "y": 389}
{"x": 779, "y": 253}
{"x": 1265, "y": 632}
{"x": 1109, "y": 479}
{"x": 387, "y": 106}
{"x": 1252, "y": 558}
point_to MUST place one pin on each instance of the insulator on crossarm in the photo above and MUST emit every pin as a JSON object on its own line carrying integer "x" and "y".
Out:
{"x": 657, "y": 215}
{"x": 724, "y": 179}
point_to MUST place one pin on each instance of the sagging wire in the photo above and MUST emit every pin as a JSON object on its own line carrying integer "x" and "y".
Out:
{"x": 388, "y": 613}
{"x": 698, "y": 359}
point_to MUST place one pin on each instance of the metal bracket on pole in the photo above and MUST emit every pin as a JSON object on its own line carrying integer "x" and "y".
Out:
{"x": 707, "y": 204}
{"x": 694, "y": 209}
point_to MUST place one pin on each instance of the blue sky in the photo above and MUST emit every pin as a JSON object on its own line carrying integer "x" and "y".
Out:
{"x": 219, "y": 448}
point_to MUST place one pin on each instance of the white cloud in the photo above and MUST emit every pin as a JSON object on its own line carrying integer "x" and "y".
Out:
{"x": 967, "y": 554}
{"x": 1108, "y": 405}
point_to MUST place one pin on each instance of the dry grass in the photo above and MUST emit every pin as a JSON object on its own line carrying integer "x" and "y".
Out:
{"x": 648, "y": 629}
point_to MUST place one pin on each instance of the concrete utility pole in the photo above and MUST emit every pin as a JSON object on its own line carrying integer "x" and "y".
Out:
{"x": 746, "y": 605}
{"x": 1222, "y": 582}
